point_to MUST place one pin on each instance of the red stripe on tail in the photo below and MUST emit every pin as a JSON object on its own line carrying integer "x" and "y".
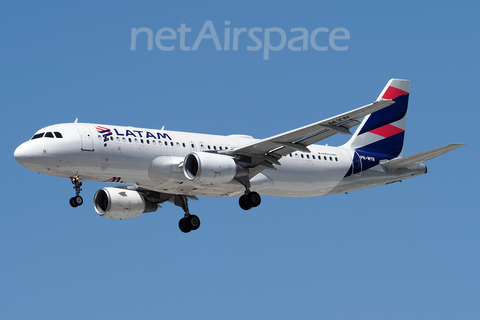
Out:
{"x": 387, "y": 130}
{"x": 393, "y": 93}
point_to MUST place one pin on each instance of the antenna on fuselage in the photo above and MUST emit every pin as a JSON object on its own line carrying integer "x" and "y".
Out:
{"x": 75, "y": 120}
{"x": 163, "y": 128}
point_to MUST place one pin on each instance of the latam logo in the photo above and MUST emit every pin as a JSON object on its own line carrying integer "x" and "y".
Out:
{"x": 106, "y": 133}
{"x": 142, "y": 134}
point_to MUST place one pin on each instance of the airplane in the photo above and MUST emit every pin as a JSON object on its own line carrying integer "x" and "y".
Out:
{"x": 156, "y": 166}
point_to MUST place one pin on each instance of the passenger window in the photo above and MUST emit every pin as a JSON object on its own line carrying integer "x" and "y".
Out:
{"x": 336, "y": 159}
{"x": 58, "y": 135}
{"x": 38, "y": 135}
{"x": 48, "y": 135}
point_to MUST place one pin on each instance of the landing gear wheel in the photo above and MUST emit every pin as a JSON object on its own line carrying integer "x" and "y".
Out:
{"x": 189, "y": 223}
{"x": 181, "y": 225}
{"x": 76, "y": 201}
{"x": 243, "y": 203}
{"x": 192, "y": 222}
{"x": 253, "y": 199}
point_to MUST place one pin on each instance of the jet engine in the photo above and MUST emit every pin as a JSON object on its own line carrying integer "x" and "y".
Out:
{"x": 121, "y": 204}
{"x": 211, "y": 168}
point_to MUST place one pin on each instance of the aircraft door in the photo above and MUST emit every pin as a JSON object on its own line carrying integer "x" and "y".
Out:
{"x": 86, "y": 138}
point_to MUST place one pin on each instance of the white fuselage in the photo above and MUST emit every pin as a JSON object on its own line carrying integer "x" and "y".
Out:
{"x": 124, "y": 155}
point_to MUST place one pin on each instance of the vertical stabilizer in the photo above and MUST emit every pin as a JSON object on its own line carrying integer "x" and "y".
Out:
{"x": 382, "y": 132}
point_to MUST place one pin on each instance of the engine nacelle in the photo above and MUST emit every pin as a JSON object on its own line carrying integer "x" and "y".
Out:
{"x": 166, "y": 169}
{"x": 212, "y": 168}
{"x": 121, "y": 204}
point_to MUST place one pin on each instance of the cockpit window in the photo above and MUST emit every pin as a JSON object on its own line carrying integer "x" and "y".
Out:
{"x": 47, "y": 135}
{"x": 38, "y": 135}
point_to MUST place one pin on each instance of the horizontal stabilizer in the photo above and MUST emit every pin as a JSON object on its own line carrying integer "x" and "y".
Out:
{"x": 418, "y": 158}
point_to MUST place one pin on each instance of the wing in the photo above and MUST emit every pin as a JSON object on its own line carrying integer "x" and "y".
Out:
{"x": 418, "y": 158}
{"x": 268, "y": 151}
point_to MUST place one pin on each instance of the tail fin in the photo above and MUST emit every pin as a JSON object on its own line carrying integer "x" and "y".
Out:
{"x": 382, "y": 132}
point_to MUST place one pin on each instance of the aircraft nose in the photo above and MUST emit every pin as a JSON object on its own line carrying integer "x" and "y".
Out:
{"x": 23, "y": 153}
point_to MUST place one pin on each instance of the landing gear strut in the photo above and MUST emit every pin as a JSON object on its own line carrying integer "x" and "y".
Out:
{"x": 189, "y": 222}
{"x": 250, "y": 199}
{"x": 77, "y": 200}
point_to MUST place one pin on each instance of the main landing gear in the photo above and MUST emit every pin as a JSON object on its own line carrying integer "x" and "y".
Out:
{"x": 77, "y": 200}
{"x": 189, "y": 222}
{"x": 250, "y": 199}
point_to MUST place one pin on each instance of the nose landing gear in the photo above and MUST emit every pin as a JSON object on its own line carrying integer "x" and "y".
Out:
{"x": 77, "y": 200}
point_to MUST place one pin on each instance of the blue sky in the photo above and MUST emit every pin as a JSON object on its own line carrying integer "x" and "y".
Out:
{"x": 404, "y": 251}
